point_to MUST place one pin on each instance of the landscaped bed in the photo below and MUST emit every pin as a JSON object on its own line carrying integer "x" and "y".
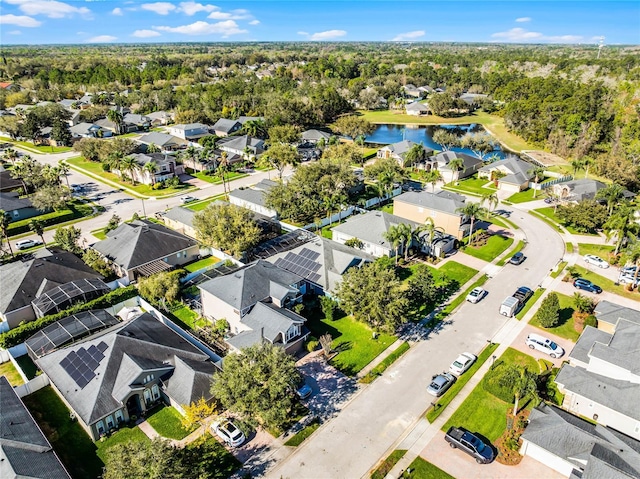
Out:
{"x": 166, "y": 422}
{"x": 299, "y": 437}
{"x": 202, "y": 263}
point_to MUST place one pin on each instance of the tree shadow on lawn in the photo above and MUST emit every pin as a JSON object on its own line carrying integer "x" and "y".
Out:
{"x": 564, "y": 315}
{"x": 319, "y": 327}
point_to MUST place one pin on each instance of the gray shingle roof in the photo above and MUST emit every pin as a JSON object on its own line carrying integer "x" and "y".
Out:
{"x": 583, "y": 347}
{"x": 11, "y": 201}
{"x": 444, "y": 201}
{"x": 141, "y": 242}
{"x": 159, "y": 139}
{"x": 402, "y": 147}
{"x": 445, "y": 157}
{"x": 181, "y": 215}
{"x": 518, "y": 170}
{"x": 623, "y": 350}
{"x": 226, "y": 125}
{"x": 372, "y": 226}
{"x": 136, "y": 119}
{"x": 22, "y": 280}
{"x": 83, "y": 128}
{"x": 245, "y": 287}
{"x": 315, "y": 135}
{"x": 26, "y": 452}
{"x": 256, "y": 197}
{"x": 609, "y": 312}
{"x": 271, "y": 320}
{"x": 239, "y": 143}
{"x": 416, "y": 106}
{"x": 134, "y": 347}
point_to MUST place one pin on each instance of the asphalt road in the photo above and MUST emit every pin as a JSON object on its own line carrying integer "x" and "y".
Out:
{"x": 352, "y": 443}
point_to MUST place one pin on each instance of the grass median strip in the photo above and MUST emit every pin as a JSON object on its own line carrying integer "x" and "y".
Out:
{"x": 447, "y": 397}
{"x": 447, "y": 310}
{"x": 518, "y": 248}
{"x": 559, "y": 269}
{"x": 547, "y": 220}
{"x": 386, "y": 362}
{"x": 532, "y": 300}
{"x": 383, "y": 469}
{"x": 304, "y": 433}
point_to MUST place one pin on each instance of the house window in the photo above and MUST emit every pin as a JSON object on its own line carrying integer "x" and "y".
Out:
{"x": 119, "y": 417}
{"x": 148, "y": 378}
{"x": 109, "y": 422}
{"x": 147, "y": 397}
{"x": 155, "y": 391}
{"x": 100, "y": 427}
{"x": 16, "y": 213}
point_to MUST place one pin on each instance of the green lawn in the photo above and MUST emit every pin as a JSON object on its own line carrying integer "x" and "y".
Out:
{"x": 502, "y": 221}
{"x": 37, "y": 149}
{"x": 200, "y": 205}
{"x": 385, "y": 363}
{"x": 188, "y": 317}
{"x": 515, "y": 250}
{"x": 605, "y": 251}
{"x": 565, "y": 328}
{"x": 447, "y": 397}
{"x": 383, "y": 469}
{"x": 27, "y": 365}
{"x": 100, "y": 234}
{"x": 75, "y": 210}
{"x": 549, "y": 213}
{"x": 492, "y": 249}
{"x": 559, "y": 269}
{"x": 202, "y": 263}
{"x": 299, "y": 437}
{"x": 72, "y": 444}
{"x": 473, "y": 185}
{"x": 532, "y": 300}
{"x": 217, "y": 179}
{"x": 484, "y": 413}
{"x": 554, "y": 225}
{"x": 526, "y": 195}
{"x": 11, "y": 373}
{"x": 421, "y": 469}
{"x": 124, "y": 434}
{"x": 166, "y": 422}
{"x": 353, "y": 341}
{"x": 607, "y": 285}
{"x": 458, "y": 272}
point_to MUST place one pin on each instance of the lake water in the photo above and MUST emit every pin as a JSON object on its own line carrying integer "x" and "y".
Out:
{"x": 386, "y": 134}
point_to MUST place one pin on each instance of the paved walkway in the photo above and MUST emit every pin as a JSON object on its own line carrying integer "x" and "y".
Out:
{"x": 152, "y": 434}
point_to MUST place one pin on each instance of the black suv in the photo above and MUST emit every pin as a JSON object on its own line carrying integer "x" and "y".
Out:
{"x": 523, "y": 294}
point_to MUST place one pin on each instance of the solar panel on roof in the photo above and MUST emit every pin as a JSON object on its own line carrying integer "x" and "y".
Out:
{"x": 82, "y": 382}
{"x": 75, "y": 375}
{"x": 289, "y": 256}
{"x": 314, "y": 277}
{"x": 102, "y": 346}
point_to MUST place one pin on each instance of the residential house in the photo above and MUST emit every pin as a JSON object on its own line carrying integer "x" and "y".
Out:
{"x": 442, "y": 207}
{"x": 108, "y": 125}
{"x": 253, "y": 198}
{"x": 117, "y": 375}
{"x": 577, "y": 448}
{"x": 426, "y": 90}
{"x": 190, "y": 131}
{"x": 608, "y": 314}
{"x": 512, "y": 174}
{"x": 412, "y": 91}
{"x": 6, "y": 85}
{"x": 166, "y": 168}
{"x": 51, "y": 279}
{"x": 245, "y": 146}
{"x": 470, "y": 165}
{"x": 601, "y": 381}
{"x": 234, "y": 295}
{"x": 160, "y": 118}
{"x": 314, "y": 136}
{"x": 25, "y": 451}
{"x": 88, "y": 130}
{"x": 579, "y": 190}
{"x": 371, "y": 229}
{"x": 17, "y": 208}
{"x": 224, "y": 127}
{"x": 142, "y": 248}
{"x": 163, "y": 141}
{"x": 8, "y": 183}
{"x": 473, "y": 99}
{"x": 416, "y": 109}
{"x": 74, "y": 119}
{"x": 136, "y": 122}
{"x": 398, "y": 151}
{"x": 321, "y": 262}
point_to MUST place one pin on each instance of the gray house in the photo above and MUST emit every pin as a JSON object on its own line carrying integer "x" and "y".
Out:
{"x": 163, "y": 141}
{"x": 224, "y": 127}
{"x": 253, "y": 198}
{"x": 17, "y": 208}
{"x": 513, "y": 173}
{"x": 314, "y": 136}
{"x": 25, "y": 452}
{"x": 118, "y": 374}
{"x": 470, "y": 165}
{"x": 245, "y": 146}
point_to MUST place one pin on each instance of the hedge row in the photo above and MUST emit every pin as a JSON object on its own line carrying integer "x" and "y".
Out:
{"x": 24, "y": 331}
{"x": 48, "y": 219}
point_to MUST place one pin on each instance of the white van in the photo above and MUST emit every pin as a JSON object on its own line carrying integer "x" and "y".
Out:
{"x": 509, "y": 306}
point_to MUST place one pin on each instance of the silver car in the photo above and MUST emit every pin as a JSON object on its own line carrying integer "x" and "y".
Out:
{"x": 595, "y": 260}
{"x": 440, "y": 383}
{"x": 536, "y": 341}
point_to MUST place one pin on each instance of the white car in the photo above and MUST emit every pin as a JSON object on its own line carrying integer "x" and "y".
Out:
{"x": 464, "y": 362}
{"x": 535, "y": 341}
{"x": 476, "y": 295}
{"x": 595, "y": 260}
{"x": 187, "y": 199}
{"x": 28, "y": 243}
{"x": 228, "y": 432}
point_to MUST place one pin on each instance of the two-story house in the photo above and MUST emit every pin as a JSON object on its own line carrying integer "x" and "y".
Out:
{"x": 224, "y": 127}
{"x": 512, "y": 174}
{"x": 442, "y": 207}
{"x": 166, "y": 167}
{"x": 245, "y": 146}
{"x": 398, "y": 151}
{"x": 189, "y": 131}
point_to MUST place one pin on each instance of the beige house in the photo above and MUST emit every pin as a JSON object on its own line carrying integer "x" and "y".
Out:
{"x": 513, "y": 174}
{"x": 441, "y": 207}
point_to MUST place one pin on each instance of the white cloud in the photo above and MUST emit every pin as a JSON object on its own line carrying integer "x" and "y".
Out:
{"x": 145, "y": 33}
{"x": 520, "y": 35}
{"x": 161, "y": 8}
{"x": 117, "y": 11}
{"x": 15, "y": 32}
{"x": 408, "y": 36}
{"x": 254, "y": 22}
{"x": 326, "y": 35}
{"x": 239, "y": 14}
{"x": 191, "y": 8}
{"x": 523, "y": 19}
{"x": 225, "y": 28}
{"x": 19, "y": 20}
{"x": 303, "y": 33}
{"x": 50, "y": 8}
{"x": 102, "y": 39}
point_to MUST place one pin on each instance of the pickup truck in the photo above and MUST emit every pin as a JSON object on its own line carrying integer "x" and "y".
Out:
{"x": 460, "y": 438}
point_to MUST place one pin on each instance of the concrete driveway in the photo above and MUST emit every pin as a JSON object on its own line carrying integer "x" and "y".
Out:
{"x": 461, "y": 465}
{"x": 520, "y": 345}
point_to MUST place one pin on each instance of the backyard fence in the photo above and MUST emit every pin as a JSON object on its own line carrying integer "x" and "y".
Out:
{"x": 547, "y": 184}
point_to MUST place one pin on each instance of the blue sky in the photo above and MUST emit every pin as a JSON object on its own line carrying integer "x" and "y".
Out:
{"x": 124, "y": 21}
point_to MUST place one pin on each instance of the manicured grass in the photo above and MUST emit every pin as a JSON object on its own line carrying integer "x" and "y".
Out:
{"x": 217, "y": 179}
{"x": 524, "y": 196}
{"x": 607, "y": 285}
{"x": 298, "y": 438}
{"x": 536, "y": 294}
{"x": 515, "y": 250}
{"x": 167, "y": 423}
{"x": 458, "y": 272}
{"x": 495, "y": 245}
{"x": 11, "y": 373}
{"x": 100, "y": 234}
{"x": 203, "y": 263}
{"x": 565, "y": 328}
{"x": 448, "y": 309}
{"x": 547, "y": 220}
{"x": 383, "y": 469}
{"x": 385, "y": 363}
{"x": 559, "y": 269}
{"x": 124, "y": 434}
{"x": 201, "y": 205}
{"x": 188, "y": 317}
{"x": 353, "y": 341}
{"x": 421, "y": 469}
{"x": 569, "y": 247}
{"x": 27, "y": 365}
{"x": 605, "y": 251}
{"x": 74, "y": 211}
{"x": 36, "y": 148}
{"x": 484, "y": 413}
{"x": 549, "y": 213}
{"x": 447, "y": 397}
{"x": 472, "y": 185}
{"x": 72, "y": 444}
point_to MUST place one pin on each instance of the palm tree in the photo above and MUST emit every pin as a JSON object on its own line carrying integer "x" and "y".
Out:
{"x": 632, "y": 255}
{"x": 11, "y": 155}
{"x": 116, "y": 117}
{"x": 538, "y": 174}
{"x": 611, "y": 194}
{"x": 128, "y": 163}
{"x": 576, "y": 165}
{"x": 473, "y": 211}
{"x": 620, "y": 225}
{"x": 433, "y": 176}
{"x": 524, "y": 385}
{"x": 222, "y": 168}
{"x": 406, "y": 235}
{"x": 192, "y": 152}
{"x": 5, "y": 219}
{"x": 491, "y": 199}
{"x": 456, "y": 165}
{"x": 415, "y": 155}
{"x": 321, "y": 144}
{"x": 394, "y": 236}
{"x": 151, "y": 168}
{"x": 587, "y": 162}
{"x": 153, "y": 148}
{"x": 255, "y": 128}
{"x": 37, "y": 227}
{"x": 64, "y": 169}
{"x": 431, "y": 229}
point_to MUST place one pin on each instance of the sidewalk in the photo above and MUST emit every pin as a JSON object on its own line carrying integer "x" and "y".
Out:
{"x": 152, "y": 434}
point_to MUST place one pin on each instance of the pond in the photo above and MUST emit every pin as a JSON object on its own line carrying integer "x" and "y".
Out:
{"x": 386, "y": 134}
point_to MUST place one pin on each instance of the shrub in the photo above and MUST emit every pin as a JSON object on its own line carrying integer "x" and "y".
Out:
{"x": 591, "y": 320}
{"x": 328, "y": 306}
{"x": 549, "y": 312}
{"x": 312, "y": 344}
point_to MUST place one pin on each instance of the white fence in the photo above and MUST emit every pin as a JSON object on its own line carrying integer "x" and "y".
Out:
{"x": 32, "y": 386}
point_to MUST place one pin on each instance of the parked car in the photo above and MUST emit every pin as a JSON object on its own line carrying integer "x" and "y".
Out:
{"x": 303, "y": 390}
{"x": 523, "y": 294}
{"x": 187, "y": 199}
{"x": 629, "y": 279}
{"x": 548, "y": 200}
{"x": 595, "y": 260}
{"x": 464, "y": 362}
{"x": 510, "y": 306}
{"x": 460, "y": 438}
{"x": 540, "y": 343}
{"x": 28, "y": 243}
{"x": 440, "y": 383}
{"x": 228, "y": 432}
{"x": 628, "y": 270}
{"x": 476, "y": 295}
{"x": 587, "y": 285}
{"x": 517, "y": 258}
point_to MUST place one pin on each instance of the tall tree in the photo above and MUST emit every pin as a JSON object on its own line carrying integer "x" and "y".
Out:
{"x": 456, "y": 165}
{"x": 5, "y": 219}
{"x": 394, "y": 236}
{"x": 525, "y": 384}
{"x": 37, "y": 227}
{"x": 128, "y": 163}
{"x": 538, "y": 174}
{"x": 64, "y": 170}
{"x": 150, "y": 169}
{"x": 611, "y": 194}
{"x": 353, "y": 126}
{"x": 284, "y": 134}
{"x": 280, "y": 156}
{"x": 445, "y": 139}
{"x": 620, "y": 225}
{"x": 227, "y": 227}
{"x": 68, "y": 239}
{"x": 415, "y": 155}
{"x": 116, "y": 117}
{"x": 473, "y": 211}
{"x": 433, "y": 177}
{"x": 50, "y": 197}
{"x": 491, "y": 199}
{"x": 549, "y": 313}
